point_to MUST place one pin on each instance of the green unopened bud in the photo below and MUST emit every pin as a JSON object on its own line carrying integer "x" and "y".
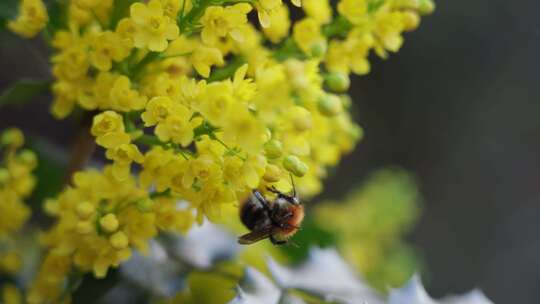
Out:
{"x": 145, "y": 205}
{"x": 356, "y": 132}
{"x": 318, "y": 49}
{"x": 330, "y": 105}
{"x": 338, "y": 82}
{"x": 273, "y": 149}
{"x": 426, "y": 7}
{"x": 12, "y": 137}
{"x": 294, "y": 165}
{"x": 28, "y": 158}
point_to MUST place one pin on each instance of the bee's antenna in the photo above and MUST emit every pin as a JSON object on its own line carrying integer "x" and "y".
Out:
{"x": 293, "y": 186}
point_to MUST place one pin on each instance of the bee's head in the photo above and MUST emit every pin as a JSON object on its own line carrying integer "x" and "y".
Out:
{"x": 293, "y": 200}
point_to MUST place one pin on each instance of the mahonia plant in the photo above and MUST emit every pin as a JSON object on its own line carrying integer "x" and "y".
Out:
{"x": 200, "y": 101}
{"x": 16, "y": 184}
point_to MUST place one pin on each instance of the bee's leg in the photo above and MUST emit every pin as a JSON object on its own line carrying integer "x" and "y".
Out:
{"x": 262, "y": 200}
{"x": 276, "y": 242}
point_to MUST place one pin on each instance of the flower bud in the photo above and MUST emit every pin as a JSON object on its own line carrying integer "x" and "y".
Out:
{"x": 12, "y": 137}
{"x": 338, "y": 82}
{"x": 109, "y": 223}
{"x": 294, "y": 165}
{"x": 426, "y": 7}
{"x": 84, "y": 227}
{"x": 119, "y": 240}
{"x": 272, "y": 173}
{"x": 318, "y": 49}
{"x": 28, "y": 158}
{"x": 85, "y": 210}
{"x": 273, "y": 149}
{"x": 330, "y": 105}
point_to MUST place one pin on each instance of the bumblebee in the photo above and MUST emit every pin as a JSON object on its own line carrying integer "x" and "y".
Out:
{"x": 276, "y": 220}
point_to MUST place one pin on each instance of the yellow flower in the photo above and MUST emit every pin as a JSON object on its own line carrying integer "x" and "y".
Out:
{"x": 203, "y": 58}
{"x": 217, "y": 102}
{"x": 124, "y": 98}
{"x": 177, "y": 127}
{"x": 220, "y": 22}
{"x": 307, "y": 34}
{"x": 126, "y": 29}
{"x": 123, "y": 155}
{"x": 267, "y": 7}
{"x": 244, "y": 88}
{"x": 106, "y": 47}
{"x": 319, "y": 10}
{"x": 153, "y": 28}
{"x": 31, "y": 20}
{"x": 279, "y": 26}
{"x": 108, "y": 128}
{"x": 244, "y": 129}
{"x": 354, "y": 10}
{"x": 170, "y": 217}
{"x": 157, "y": 110}
{"x": 172, "y": 7}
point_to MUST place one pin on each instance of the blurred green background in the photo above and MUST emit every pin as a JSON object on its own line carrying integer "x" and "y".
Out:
{"x": 457, "y": 107}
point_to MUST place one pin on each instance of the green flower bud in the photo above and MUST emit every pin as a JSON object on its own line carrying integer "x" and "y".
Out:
{"x": 12, "y": 137}
{"x": 318, "y": 49}
{"x": 273, "y": 149}
{"x": 28, "y": 158}
{"x": 426, "y": 7}
{"x": 356, "y": 132}
{"x": 330, "y": 105}
{"x": 294, "y": 165}
{"x": 338, "y": 82}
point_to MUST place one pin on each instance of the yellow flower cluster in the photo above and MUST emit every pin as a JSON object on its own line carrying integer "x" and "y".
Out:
{"x": 31, "y": 20}
{"x": 374, "y": 25}
{"x": 193, "y": 102}
{"x": 16, "y": 184}
{"x": 100, "y": 220}
{"x": 16, "y": 181}
{"x": 370, "y": 224}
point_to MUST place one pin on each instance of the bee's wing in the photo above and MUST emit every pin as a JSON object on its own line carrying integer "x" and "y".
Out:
{"x": 255, "y": 235}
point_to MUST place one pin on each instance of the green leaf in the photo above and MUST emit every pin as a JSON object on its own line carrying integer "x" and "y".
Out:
{"x": 57, "y": 11}
{"x": 8, "y": 10}
{"x": 23, "y": 91}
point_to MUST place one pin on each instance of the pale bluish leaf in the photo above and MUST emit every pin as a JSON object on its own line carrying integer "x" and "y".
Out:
{"x": 327, "y": 276}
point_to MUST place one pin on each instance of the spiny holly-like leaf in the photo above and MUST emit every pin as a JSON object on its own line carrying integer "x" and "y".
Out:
{"x": 472, "y": 297}
{"x": 154, "y": 272}
{"x": 327, "y": 276}
{"x": 257, "y": 288}
{"x": 23, "y": 91}
{"x": 414, "y": 293}
{"x": 203, "y": 246}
